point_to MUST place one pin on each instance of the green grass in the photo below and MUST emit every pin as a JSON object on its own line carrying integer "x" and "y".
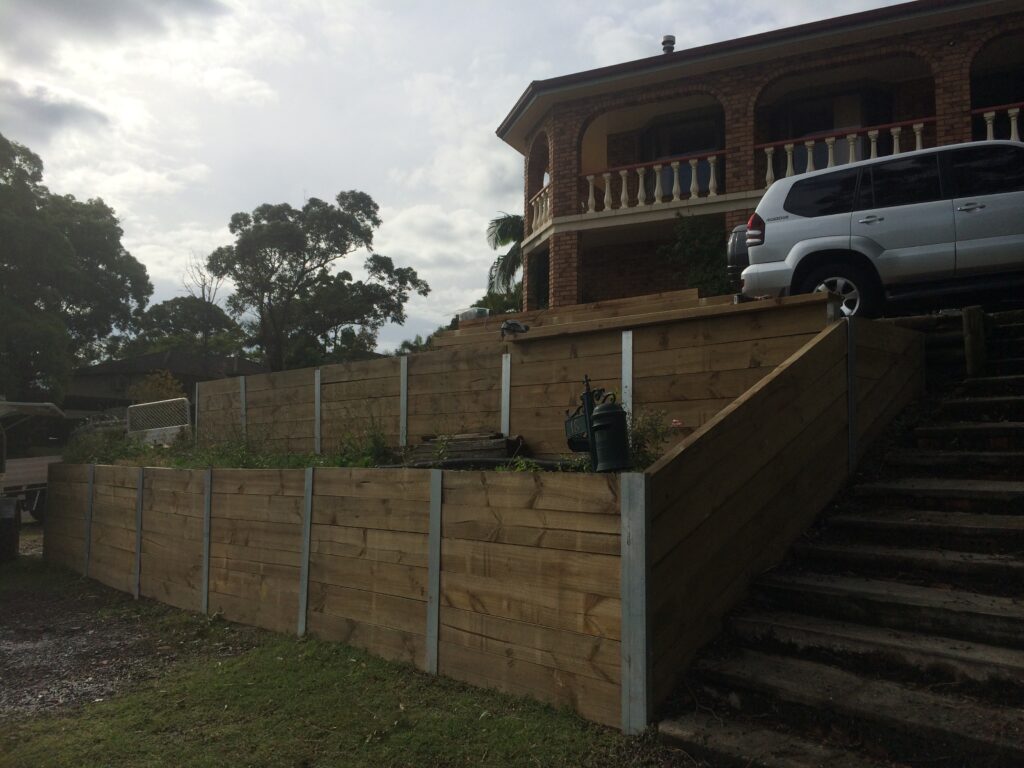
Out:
{"x": 291, "y": 702}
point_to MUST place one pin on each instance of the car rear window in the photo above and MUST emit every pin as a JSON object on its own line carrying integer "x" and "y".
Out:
{"x": 987, "y": 170}
{"x": 901, "y": 182}
{"x": 823, "y": 195}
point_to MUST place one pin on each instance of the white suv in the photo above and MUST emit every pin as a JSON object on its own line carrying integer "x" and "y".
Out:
{"x": 918, "y": 224}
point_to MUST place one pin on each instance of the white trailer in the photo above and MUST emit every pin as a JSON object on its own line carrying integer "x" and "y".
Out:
{"x": 25, "y": 479}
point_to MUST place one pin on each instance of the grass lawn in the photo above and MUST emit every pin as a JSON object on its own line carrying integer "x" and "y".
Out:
{"x": 271, "y": 700}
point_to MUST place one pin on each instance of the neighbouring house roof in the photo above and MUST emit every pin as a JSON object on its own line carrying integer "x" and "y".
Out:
{"x": 891, "y": 20}
{"x": 177, "y": 362}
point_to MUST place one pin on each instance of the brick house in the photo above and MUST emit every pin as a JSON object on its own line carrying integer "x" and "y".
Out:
{"x": 613, "y": 155}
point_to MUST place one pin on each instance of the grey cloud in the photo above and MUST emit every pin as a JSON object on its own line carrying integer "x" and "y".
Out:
{"x": 31, "y": 29}
{"x": 32, "y": 116}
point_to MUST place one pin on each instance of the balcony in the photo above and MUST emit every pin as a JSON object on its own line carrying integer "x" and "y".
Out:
{"x": 791, "y": 157}
{"x": 653, "y": 183}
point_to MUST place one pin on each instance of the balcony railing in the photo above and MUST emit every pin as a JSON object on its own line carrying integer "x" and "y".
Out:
{"x": 826, "y": 150}
{"x": 670, "y": 180}
{"x": 997, "y": 117}
{"x": 540, "y": 209}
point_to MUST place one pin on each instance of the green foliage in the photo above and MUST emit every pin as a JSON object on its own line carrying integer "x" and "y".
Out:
{"x": 508, "y": 229}
{"x": 294, "y": 307}
{"x": 649, "y": 433}
{"x": 184, "y": 322}
{"x": 67, "y": 281}
{"x": 159, "y": 385}
{"x": 519, "y": 464}
{"x": 368, "y": 448}
{"x": 699, "y": 252}
{"x": 501, "y": 303}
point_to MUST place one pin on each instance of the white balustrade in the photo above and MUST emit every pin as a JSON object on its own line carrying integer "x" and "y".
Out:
{"x": 806, "y": 155}
{"x": 1012, "y": 115}
{"x": 540, "y": 209}
{"x": 617, "y": 193}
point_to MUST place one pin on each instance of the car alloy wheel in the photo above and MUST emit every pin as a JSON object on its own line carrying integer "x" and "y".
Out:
{"x": 846, "y": 289}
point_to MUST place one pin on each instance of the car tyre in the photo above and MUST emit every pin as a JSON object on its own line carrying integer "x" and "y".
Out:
{"x": 861, "y": 293}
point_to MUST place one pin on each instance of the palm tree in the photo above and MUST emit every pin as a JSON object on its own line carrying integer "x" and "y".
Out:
{"x": 506, "y": 229}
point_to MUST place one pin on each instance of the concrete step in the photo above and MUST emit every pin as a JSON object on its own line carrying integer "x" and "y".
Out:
{"x": 993, "y": 496}
{"x": 736, "y": 743}
{"x": 995, "y": 385}
{"x": 975, "y": 464}
{"x": 984, "y": 435}
{"x": 897, "y": 721}
{"x": 927, "y": 658}
{"x": 986, "y": 409}
{"x": 931, "y": 610}
{"x": 978, "y": 572}
{"x": 964, "y": 531}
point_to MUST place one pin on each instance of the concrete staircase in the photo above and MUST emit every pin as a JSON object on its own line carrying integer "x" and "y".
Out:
{"x": 894, "y": 633}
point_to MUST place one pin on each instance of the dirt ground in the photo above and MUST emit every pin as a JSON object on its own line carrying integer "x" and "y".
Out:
{"x": 65, "y": 640}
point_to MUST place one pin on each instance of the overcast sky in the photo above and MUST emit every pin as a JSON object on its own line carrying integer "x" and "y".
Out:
{"x": 179, "y": 113}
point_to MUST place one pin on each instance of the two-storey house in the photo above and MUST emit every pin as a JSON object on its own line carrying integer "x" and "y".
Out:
{"x": 614, "y": 155}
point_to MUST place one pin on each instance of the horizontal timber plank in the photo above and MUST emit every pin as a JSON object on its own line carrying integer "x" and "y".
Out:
{"x": 171, "y": 592}
{"x": 357, "y": 573}
{"x": 390, "y": 644}
{"x": 594, "y": 699}
{"x": 370, "y": 544}
{"x": 572, "y": 652}
{"x": 366, "y": 512}
{"x": 259, "y": 534}
{"x": 547, "y": 606}
{"x": 364, "y": 369}
{"x": 375, "y": 608}
{"x": 260, "y": 482}
{"x": 253, "y": 612}
{"x": 408, "y": 484}
{"x": 571, "y": 571}
{"x": 267, "y": 508}
{"x": 498, "y": 525}
{"x": 567, "y": 492}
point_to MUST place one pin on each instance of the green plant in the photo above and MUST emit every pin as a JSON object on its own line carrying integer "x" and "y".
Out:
{"x": 699, "y": 252}
{"x": 649, "y": 432}
{"x": 520, "y": 464}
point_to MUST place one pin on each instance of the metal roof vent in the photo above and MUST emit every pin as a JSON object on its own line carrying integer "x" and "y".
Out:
{"x": 668, "y": 43}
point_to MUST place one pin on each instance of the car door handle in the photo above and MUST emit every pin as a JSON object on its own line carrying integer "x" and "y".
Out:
{"x": 870, "y": 219}
{"x": 971, "y": 207}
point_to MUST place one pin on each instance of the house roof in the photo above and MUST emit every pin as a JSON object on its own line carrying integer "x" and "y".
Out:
{"x": 177, "y": 361}
{"x": 541, "y": 94}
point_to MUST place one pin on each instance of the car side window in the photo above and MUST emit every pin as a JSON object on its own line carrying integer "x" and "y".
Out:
{"x": 987, "y": 170}
{"x": 823, "y": 195}
{"x": 906, "y": 181}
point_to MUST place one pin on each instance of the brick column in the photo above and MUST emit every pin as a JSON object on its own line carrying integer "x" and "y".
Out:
{"x": 566, "y": 262}
{"x": 951, "y": 68}
{"x": 739, "y": 137}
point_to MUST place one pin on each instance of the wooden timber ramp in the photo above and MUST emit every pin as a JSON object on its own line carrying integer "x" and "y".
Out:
{"x": 893, "y": 635}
